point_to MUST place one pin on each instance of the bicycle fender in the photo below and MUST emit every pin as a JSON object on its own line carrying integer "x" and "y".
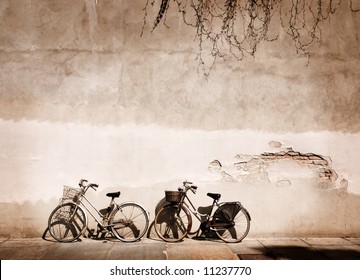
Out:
{"x": 239, "y": 203}
{"x": 247, "y": 213}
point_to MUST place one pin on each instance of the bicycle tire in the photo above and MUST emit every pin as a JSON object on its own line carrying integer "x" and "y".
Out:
{"x": 67, "y": 222}
{"x": 129, "y": 221}
{"x": 172, "y": 223}
{"x": 237, "y": 232}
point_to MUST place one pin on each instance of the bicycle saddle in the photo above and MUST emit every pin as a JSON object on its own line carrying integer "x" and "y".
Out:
{"x": 215, "y": 196}
{"x": 113, "y": 194}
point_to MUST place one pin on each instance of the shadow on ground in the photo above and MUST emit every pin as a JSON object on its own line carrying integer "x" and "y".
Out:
{"x": 303, "y": 253}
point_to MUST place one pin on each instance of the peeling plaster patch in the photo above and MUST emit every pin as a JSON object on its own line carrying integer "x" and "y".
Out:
{"x": 344, "y": 184}
{"x": 280, "y": 168}
{"x": 215, "y": 166}
{"x": 275, "y": 144}
{"x": 283, "y": 183}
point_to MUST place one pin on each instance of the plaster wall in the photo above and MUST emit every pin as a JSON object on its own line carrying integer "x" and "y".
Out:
{"x": 83, "y": 95}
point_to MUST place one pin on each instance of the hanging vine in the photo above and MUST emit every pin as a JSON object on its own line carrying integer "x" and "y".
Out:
{"x": 237, "y": 27}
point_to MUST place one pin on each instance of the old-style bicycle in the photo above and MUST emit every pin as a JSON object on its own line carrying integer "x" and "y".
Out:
{"x": 128, "y": 221}
{"x": 229, "y": 221}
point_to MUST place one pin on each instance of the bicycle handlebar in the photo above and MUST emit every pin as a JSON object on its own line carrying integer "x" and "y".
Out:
{"x": 90, "y": 185}
{"x": 82, "y": 181}
{"x": 93, "y": 186}
{"x": 188, "y": 186}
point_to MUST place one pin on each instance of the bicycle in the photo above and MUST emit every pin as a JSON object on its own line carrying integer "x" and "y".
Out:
{"x": 230, "y": 221}
{"x": 128, "y": 221}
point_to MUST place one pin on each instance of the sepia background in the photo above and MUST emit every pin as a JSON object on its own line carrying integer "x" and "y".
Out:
{"x": 84, "y": 95}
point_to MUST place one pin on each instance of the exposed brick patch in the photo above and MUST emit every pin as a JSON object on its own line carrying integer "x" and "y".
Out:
{"x": 308, "y": 158}
{"x": 254, "y": 168}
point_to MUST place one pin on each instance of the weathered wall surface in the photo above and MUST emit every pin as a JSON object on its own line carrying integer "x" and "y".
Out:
{"x": 83, "y": 95}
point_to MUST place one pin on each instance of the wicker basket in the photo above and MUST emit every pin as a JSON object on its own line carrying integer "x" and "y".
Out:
{"x": 69, "y": 193}
{"x": 173, "y": 196}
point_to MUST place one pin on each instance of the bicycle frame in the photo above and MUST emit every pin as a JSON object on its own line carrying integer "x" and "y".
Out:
{"x": 190, "y": 208}
{"x": 79, "y": 202}
{"x": 128, "y": 221}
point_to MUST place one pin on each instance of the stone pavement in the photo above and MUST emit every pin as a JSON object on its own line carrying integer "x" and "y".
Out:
{"x": 189, "y": 249}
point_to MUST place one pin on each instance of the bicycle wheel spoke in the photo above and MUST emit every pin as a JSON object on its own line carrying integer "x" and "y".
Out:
{"x": 182, "y": 224}
{"x": 129, "y": 222}
{"x": 172, "y": 223}
{"x": 167, "y": 230}
{"x": 239, "y": 230}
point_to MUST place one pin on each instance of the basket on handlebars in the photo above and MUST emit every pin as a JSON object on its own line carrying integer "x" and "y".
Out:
{"x": 173, "y": 196}
{"x": 69, "y": 193}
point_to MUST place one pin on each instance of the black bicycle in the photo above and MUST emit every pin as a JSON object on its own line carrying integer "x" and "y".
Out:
{"x": 230, "y": 221}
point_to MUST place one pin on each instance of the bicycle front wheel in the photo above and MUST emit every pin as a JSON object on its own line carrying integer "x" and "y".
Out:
{"x": 129, "y": 222}
{"x": 67, "y": 222}
{"x": 172, "y": 223}
{"x": 237, "y": 232}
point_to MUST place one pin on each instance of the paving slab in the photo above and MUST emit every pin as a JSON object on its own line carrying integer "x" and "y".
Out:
{"x": 25, "y": 249}
{"x": 199, "y": 250}
{"x": 291, "y": 249}
{"x": 327, "y": 241}
{"x": 250, "y": 249}
{"x": 188, "y": 249}
{"x": 354, "y": 240}
{"x": 296, "y": 253}
{"x": 294, "y": 242}
{"x": 255, "y": 257}
{"x": 337, "y": 252}
{"x": 84, "y": 250}
{"x": 336, "y": 248}
{"x": 249, "y": 246}
{"x": 143, "y": 250}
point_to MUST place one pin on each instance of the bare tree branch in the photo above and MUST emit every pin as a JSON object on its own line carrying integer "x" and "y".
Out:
{"x": 237, "y": 27}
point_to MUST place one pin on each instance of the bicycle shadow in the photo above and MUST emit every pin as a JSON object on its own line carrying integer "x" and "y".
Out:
{"x": 204, "y": 236}
{"x": 87, "y": 234}
{"x": 47, "y": 236}
{"x": 151, "y": 233}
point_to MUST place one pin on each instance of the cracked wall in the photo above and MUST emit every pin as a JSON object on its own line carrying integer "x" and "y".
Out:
{"x": 256, "y": 168}
{"x": 78, "y": 60}
{"x": 83, "y": 95}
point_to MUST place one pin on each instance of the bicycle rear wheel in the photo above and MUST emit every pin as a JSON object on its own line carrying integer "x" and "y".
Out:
{"x": 67, "y": 222}
{"x": 237, "y": 232}
{"x": 130, "y": 222}
{"x": 172, "y": 223}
